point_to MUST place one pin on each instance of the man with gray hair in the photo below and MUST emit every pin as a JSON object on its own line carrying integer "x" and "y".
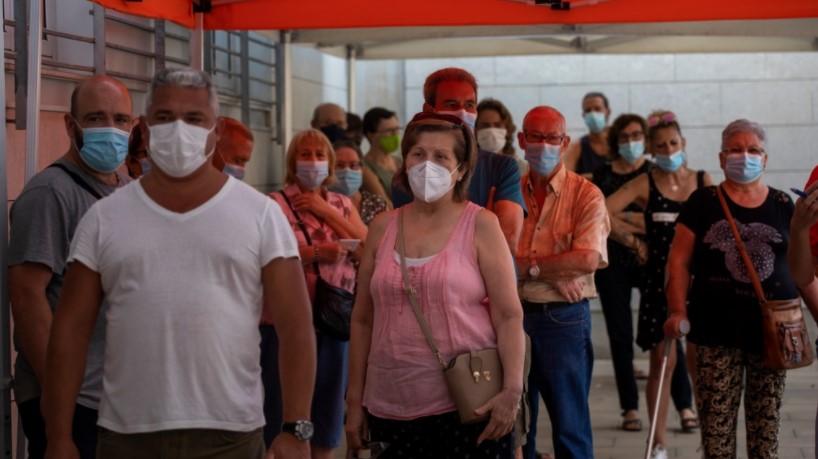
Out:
{"x": 181, "y": 371}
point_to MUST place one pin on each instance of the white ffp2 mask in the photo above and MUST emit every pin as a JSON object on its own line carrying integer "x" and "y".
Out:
{"x": 430, "y": 181}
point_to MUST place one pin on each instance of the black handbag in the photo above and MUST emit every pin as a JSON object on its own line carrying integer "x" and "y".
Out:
{"x": 332, "y": 307}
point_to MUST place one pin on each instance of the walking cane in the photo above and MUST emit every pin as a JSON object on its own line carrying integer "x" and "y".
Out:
{"x": 684, "y": 328}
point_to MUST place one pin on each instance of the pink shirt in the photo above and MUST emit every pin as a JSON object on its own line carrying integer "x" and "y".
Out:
{"x": 340, "y": 274}
{"x": 404, "y": 379}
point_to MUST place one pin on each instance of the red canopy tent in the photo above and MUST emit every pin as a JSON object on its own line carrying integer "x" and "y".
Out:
{"x": 315, "y": 14}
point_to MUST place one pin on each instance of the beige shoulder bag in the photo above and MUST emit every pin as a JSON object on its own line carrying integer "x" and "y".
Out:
{"x": 472, "y": 378}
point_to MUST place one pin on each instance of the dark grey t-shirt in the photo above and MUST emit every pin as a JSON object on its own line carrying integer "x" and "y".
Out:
{"x": 43, "y": 220}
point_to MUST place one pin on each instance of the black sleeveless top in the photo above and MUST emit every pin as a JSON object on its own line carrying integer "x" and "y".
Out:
{"x": 589, "y": 161}
{"x": 609, "y": 182}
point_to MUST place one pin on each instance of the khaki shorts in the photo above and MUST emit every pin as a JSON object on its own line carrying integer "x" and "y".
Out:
{"x": 182, "y": 444}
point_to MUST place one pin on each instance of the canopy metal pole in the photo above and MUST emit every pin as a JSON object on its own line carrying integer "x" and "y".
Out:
{"x": 197, "y": 43}
{"x": 352, "y": 61}
{"x": 284, "y": 92}
{"x": 35, "y": 44}
{"x": 5, "y": 326}
{"x": 99, "y": 40}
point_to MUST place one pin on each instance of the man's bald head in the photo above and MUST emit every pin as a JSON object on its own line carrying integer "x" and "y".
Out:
{"x": 99, "y": 84}
{"x": 544, "y": 117}
{"x": 328, "y": 114}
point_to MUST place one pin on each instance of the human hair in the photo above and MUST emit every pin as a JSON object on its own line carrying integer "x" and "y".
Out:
{"x": 373, "y": 117}
{"x": 316, "y": 114}
{"x": 619, "y": 125}
{"x": 740, "y": 126}
{"x": 232, "y": 128}
{"x": 135, "y": 142}
{"x": 593, "y": 94}
{"x": 465, "y": 148}
{"x": 184, "y": 77}
{"x": 505, "y": 116}
{"x": 346, "y": 143}
{"x": 662, "y": 119}
{"x": 446, "y": 74}
{"x": 292, "y": 154}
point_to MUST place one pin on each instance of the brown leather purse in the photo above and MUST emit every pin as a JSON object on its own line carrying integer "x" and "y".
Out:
{"x": 787, "y": 344}
{"x": 473, "y": 377}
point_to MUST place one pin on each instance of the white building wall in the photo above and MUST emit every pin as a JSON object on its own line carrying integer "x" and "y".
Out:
{"x": 779, "y": 90}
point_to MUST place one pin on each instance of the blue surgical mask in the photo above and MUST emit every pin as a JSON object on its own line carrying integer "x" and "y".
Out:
{"x": 311, "y": 174}
{"x": 104, "y": 148}
{"x": 145, "y": 164}
{"x": 234, "y": 170}
{"x": 349, "y": 181}
{"x": 670, "y": 163}
{"x": 743, "y": 167}
{"x": 595, "y": 121}
{"x": 468, "y": 118}
{"x": 542, "y": 157}
{"x": 632, "y": 151}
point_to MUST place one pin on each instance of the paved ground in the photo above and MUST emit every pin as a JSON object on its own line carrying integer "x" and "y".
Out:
{"x": 797, "y": 428}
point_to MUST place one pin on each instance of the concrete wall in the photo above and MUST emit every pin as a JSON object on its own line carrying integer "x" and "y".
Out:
{"x": 779, "y": 90}
{"x": 317, "y": 78}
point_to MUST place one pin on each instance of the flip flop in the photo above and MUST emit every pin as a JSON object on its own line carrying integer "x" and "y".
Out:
{"x": 631, "y": 425}
{"x": 690, "y": 424}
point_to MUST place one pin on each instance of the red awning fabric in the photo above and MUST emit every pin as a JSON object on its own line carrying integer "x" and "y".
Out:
{"x": 325, "y": 14}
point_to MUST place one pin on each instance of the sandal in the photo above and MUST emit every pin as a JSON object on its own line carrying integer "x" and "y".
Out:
{"x": 631, "y": 425}
{"x": 690, "y": 424}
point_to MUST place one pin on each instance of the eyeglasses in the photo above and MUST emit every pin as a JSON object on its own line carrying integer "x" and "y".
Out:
{"x": 538, "y": 137}
{"x": 741, "y": 151}
{"x": 664, "y": 118}
{"x": 634, "y": 136}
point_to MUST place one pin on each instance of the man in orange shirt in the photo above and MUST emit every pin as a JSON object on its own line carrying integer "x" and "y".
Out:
{"x": 563, "y": 243}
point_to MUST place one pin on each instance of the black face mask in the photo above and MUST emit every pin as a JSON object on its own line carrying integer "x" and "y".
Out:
{"x": 334, "y": 132}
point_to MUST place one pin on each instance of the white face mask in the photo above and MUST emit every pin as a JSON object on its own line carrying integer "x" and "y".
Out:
{"x": 430, "y": 181}
{"x": 492, "y": 139}
{"x": 178, "y": 148}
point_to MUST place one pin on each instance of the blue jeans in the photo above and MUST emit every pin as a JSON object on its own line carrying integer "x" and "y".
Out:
{"x": 562, "y": 359}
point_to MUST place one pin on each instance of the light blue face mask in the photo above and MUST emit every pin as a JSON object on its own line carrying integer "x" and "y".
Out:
{"x": 349, "y": 181}
{"x": 670, "y": 163}
{"x": 234, "y": 170}
{"x": 632, "y": 151}
{"x": 542, "y": 157}
{"x": 104, "y": 148}
{"x": 595, "y": 121}
{"x": 743, "y": 167}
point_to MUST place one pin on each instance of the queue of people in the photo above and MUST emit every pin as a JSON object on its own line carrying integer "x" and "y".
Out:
{"x": 346, "y": 303}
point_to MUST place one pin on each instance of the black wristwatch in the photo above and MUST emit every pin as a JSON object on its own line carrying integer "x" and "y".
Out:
{"x": 301, "y": 430}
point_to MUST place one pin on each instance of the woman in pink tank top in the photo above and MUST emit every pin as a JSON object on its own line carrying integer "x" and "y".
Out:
{"x": 462, "y": 272}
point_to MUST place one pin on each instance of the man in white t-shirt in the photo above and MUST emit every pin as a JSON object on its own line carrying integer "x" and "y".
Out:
{"x": 181, "y": 372}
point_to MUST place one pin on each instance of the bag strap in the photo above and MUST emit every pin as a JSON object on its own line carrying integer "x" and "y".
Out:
{"x": 302, "y": 227}
{"x": 412, "y": 294}
{"x": 742, "y": 250}
{"x": 78, "y": 180}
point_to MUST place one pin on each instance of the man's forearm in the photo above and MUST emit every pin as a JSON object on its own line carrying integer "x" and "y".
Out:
{"x": 510, "y": 216}
{"x": 32, "y": 324}
{"x": 568, "y": 265}
{"x": 297, "y": 361}
{"x": 66, "y": 368}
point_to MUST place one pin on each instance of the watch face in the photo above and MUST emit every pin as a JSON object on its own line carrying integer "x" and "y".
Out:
{"x": 304, "y": 430}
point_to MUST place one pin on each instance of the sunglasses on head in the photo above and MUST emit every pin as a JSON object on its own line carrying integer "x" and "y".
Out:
{"x": 664, "y": 118}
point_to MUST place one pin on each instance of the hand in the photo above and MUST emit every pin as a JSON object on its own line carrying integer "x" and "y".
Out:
{"x": 806, "y": 210}
{"x": 355, "y": 427}
{"x": 672, "y": 326}
{"x": 62, "y": 449}
{"x": 503, "y": 408}
{"x": 571, "y": 290}
{"x": 331, "y": 252}
{"x": 641, "y": 250}
{"x": 286, "y": 446}
{"x": 312, "y": 202}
